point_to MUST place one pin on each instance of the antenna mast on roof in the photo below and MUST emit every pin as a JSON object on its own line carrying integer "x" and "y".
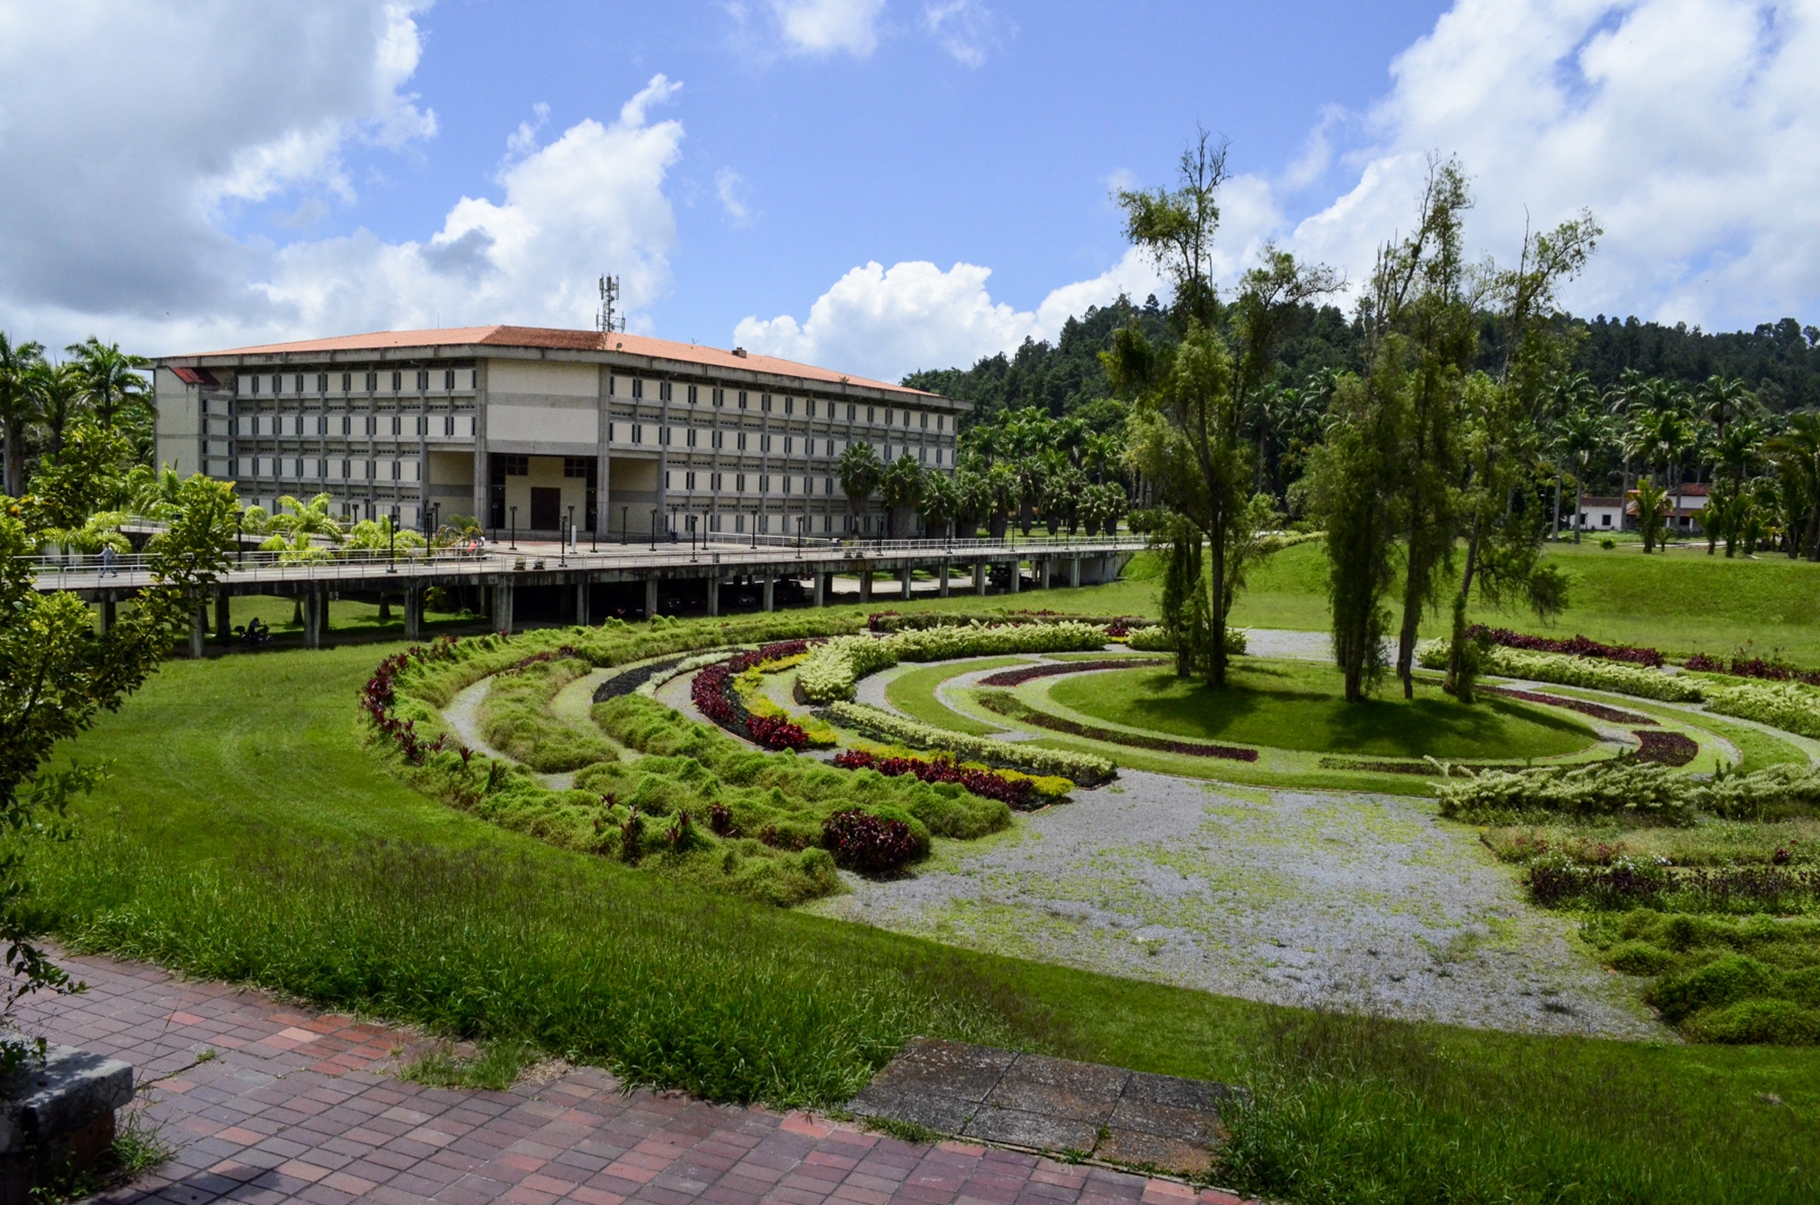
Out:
{"x": 607, "y": 320}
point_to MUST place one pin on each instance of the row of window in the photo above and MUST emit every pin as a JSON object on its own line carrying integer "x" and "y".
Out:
{"x": 327, "y": 468}
{"x": 762, "y": 402}
{"x": 251, "y": 384}
{"x": 691, "y": 481}
{"x": 639, "y": 434}
{"x": 304, "y": 426}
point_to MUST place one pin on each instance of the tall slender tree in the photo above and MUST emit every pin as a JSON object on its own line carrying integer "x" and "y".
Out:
{"x": 18, "y": 405}
{"x": 112, "y": 380}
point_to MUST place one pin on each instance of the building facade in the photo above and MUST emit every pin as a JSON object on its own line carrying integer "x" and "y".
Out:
{"x": 536, "y": 431}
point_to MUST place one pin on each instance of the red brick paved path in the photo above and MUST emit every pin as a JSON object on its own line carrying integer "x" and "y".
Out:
{"x": 303, "y": 1107}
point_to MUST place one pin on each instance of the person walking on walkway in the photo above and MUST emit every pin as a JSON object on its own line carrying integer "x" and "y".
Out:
{"x": 108, "y": 559}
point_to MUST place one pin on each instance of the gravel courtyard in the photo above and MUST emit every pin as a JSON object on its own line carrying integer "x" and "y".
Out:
{"x": 1361, "y": 903}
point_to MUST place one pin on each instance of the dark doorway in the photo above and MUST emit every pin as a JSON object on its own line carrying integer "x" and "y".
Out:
{"x": 546, "y": 508}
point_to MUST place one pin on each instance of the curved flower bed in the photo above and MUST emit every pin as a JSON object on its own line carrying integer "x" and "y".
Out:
{"x": 1011, "y": 707}
{"x": 834, "y": 667}
{"x": 1575, "y": 646}
{"x": 1598, "y": 711}
{"x": 712, "y": 692}
{"x": 1016, "y": 793}
{"x": 1754, "y": 667}
{"x": 1082, "y": 768}
{"x": 1665, "y": 747}
{"x": 1029, "y": 673}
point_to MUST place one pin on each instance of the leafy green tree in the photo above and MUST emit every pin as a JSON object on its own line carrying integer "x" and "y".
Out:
{"x": 939, "y": 504}
{"x": 57, "y": 675}
{"x": 18, "y": 406}
{"x": 859, "y": 472}
{"x": 1795, "y": 453}
{"x": 312, "y": 518}
{"x": 87, "y": 474}
{"x": 1583, "y": 434}
{"x": 1004, "y": 494}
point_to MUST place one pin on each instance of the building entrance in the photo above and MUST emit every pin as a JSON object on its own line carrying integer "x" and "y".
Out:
{"x": 546, "y": 508}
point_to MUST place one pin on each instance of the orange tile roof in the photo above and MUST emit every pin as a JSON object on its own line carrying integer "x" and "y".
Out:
{"x": 557, "y": 340}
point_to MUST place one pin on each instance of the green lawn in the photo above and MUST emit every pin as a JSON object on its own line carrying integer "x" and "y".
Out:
{"x": 245, "y": 832}
{"x": 913, "y": 693}
{"x": 1300, "y": 705}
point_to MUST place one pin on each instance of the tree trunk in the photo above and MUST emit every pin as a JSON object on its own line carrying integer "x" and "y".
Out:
{"x": 1217, "y": 584}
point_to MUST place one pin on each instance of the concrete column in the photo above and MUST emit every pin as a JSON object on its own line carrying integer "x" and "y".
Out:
{"x": 314, "y": 604}
{"x": 865, "y": 584}
{"x": 1041, "y": 570}
{"x": 942, "y": 590}
{"x": 979, "y": 578}
{"x": 905, "y": 576}
{"x": 770, "y": 593}
{"x": 1074, "y": 571}
{"x": 821, "y": 588}
{"x": 198, "y": 629}
{"x": 714, "y": 594}
{"x": 503, "y": 619}
{"x": 110, "y": 613}
{"x": 651, "y": 597}
{"x": 582, "y": 618}
{"x": 413, "y": 613}
{"x": 224, "y": 618}
{"x": 1016, "y": 579}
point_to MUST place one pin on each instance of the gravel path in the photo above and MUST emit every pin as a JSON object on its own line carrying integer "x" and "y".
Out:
{"x": 1361, "y": 903}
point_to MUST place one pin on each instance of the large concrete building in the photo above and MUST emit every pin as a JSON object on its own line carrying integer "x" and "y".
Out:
{"x": 533, "y": 429}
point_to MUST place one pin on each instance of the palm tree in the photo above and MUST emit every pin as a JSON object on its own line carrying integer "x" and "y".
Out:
{"x": 1722, "y": 399}
{"x": 859, "y": 476}
{"x": 1663, "y": 436}
{"x": 18, "y": 405}
{"x": 1652, "y": 504}
{"x": 1003, "y": 493}
{"x": 970, "y": 502}
{"x": 1796, "y": 455}
{"x": 57, "y": 394}
{"x": 1571, "y": 394}
{"x": 110, "y": 378}
{"x": 311, "y": 518}
{"x": 1583, "y": 434}
{"x": 902, "y": 487}
{"x": 940, "y": 502}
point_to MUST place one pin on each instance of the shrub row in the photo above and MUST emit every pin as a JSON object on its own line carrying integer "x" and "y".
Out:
{"x": 1753, "y": 667}
{"x": 1632, "y": 883}
{"x": 833, "y": 668}
{"x": 1576, "y": 646}
{"x": 1082, "y": 768}
{"x": 1018, "y": 792}
{"x": 515, "y": 718}
{"x": 1598, "y": 711}
{"x": 887, "y": 622}
{"x": 1781, "y": 705}
{"x": 1641, "y": 791}
{"x": 1156, "y": 639}
{"x": 714, "y": 693}
{"x": 1030, "y": 673}
{"x": 1566, "y": 670}
{"x": 1009, "y": 705}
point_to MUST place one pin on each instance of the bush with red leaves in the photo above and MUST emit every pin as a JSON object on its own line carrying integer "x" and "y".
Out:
{"x": 1017, "y": 793}
{"x": 712, "y": 693}
{"x": 1578, "y": 646}
{"x": 1016, "y": 677}
{"x": 1668, "y": 748}
{"x": 864, "y": 842}
{"x": 1754, "y": 667}
{"x": 380, "y": 693}
{"x": 1598, "y": 711}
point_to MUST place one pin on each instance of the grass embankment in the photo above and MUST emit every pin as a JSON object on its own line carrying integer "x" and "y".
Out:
{"x": 247, "y": 834}
{"x": 1301, "y": 705}
{"x": 913, "y": 693}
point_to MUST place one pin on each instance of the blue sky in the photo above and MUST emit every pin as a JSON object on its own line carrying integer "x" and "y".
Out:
{"x": 877, "y": 185}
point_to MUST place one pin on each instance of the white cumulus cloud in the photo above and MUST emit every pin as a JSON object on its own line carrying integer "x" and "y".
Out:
{"x": 824, "y": 27}
{"x": 1691, "y": 128}
{"x": 883, "y": 323}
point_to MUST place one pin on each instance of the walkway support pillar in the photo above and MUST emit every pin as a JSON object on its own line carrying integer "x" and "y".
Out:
{"x": 1016, "y": 576}
{"x": 906, "y": 580}
{"x": 313, "y": 606}
{"x": 582, "y": 617}
{"x": 503, "y": 619}
{"x": 821, "y": 588}
{"x": 714, "y": 594}
{"x": 413, "y": 613}
{"x": 770, "y": 593}
{"x": 865, "y": 584}
{"x": 224, "y": 618}
{"x": 942, "y": 589}
{"x": 1074, "y": 572}
{"x": 110, "y": 613}
{"x": 1041, "y": 570}
{"x": 980, "y": 577}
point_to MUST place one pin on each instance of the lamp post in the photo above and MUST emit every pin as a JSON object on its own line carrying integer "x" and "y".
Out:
{"x": 673, "y": 511}
{"x": 514, "y": 511}
{"x": 391, "y": 542}
{"x": 755, "y": 529}
{"x": 654, "y": 514}
{"x": 572, "y": 536}
{"x": 594, "y": 531}
{"x": 562, "y": 544}
{"x": 625, "y": 524}
{"x": 239, "y": 544}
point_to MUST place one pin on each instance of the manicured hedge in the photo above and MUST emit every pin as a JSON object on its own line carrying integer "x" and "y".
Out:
{"x": 1781, "y": 705}
{"x": 833, "y": 668}
{"x": 1084, "y": 769}
{"x": 1630, "y": 789}
{"x": 1566, "y": 670}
